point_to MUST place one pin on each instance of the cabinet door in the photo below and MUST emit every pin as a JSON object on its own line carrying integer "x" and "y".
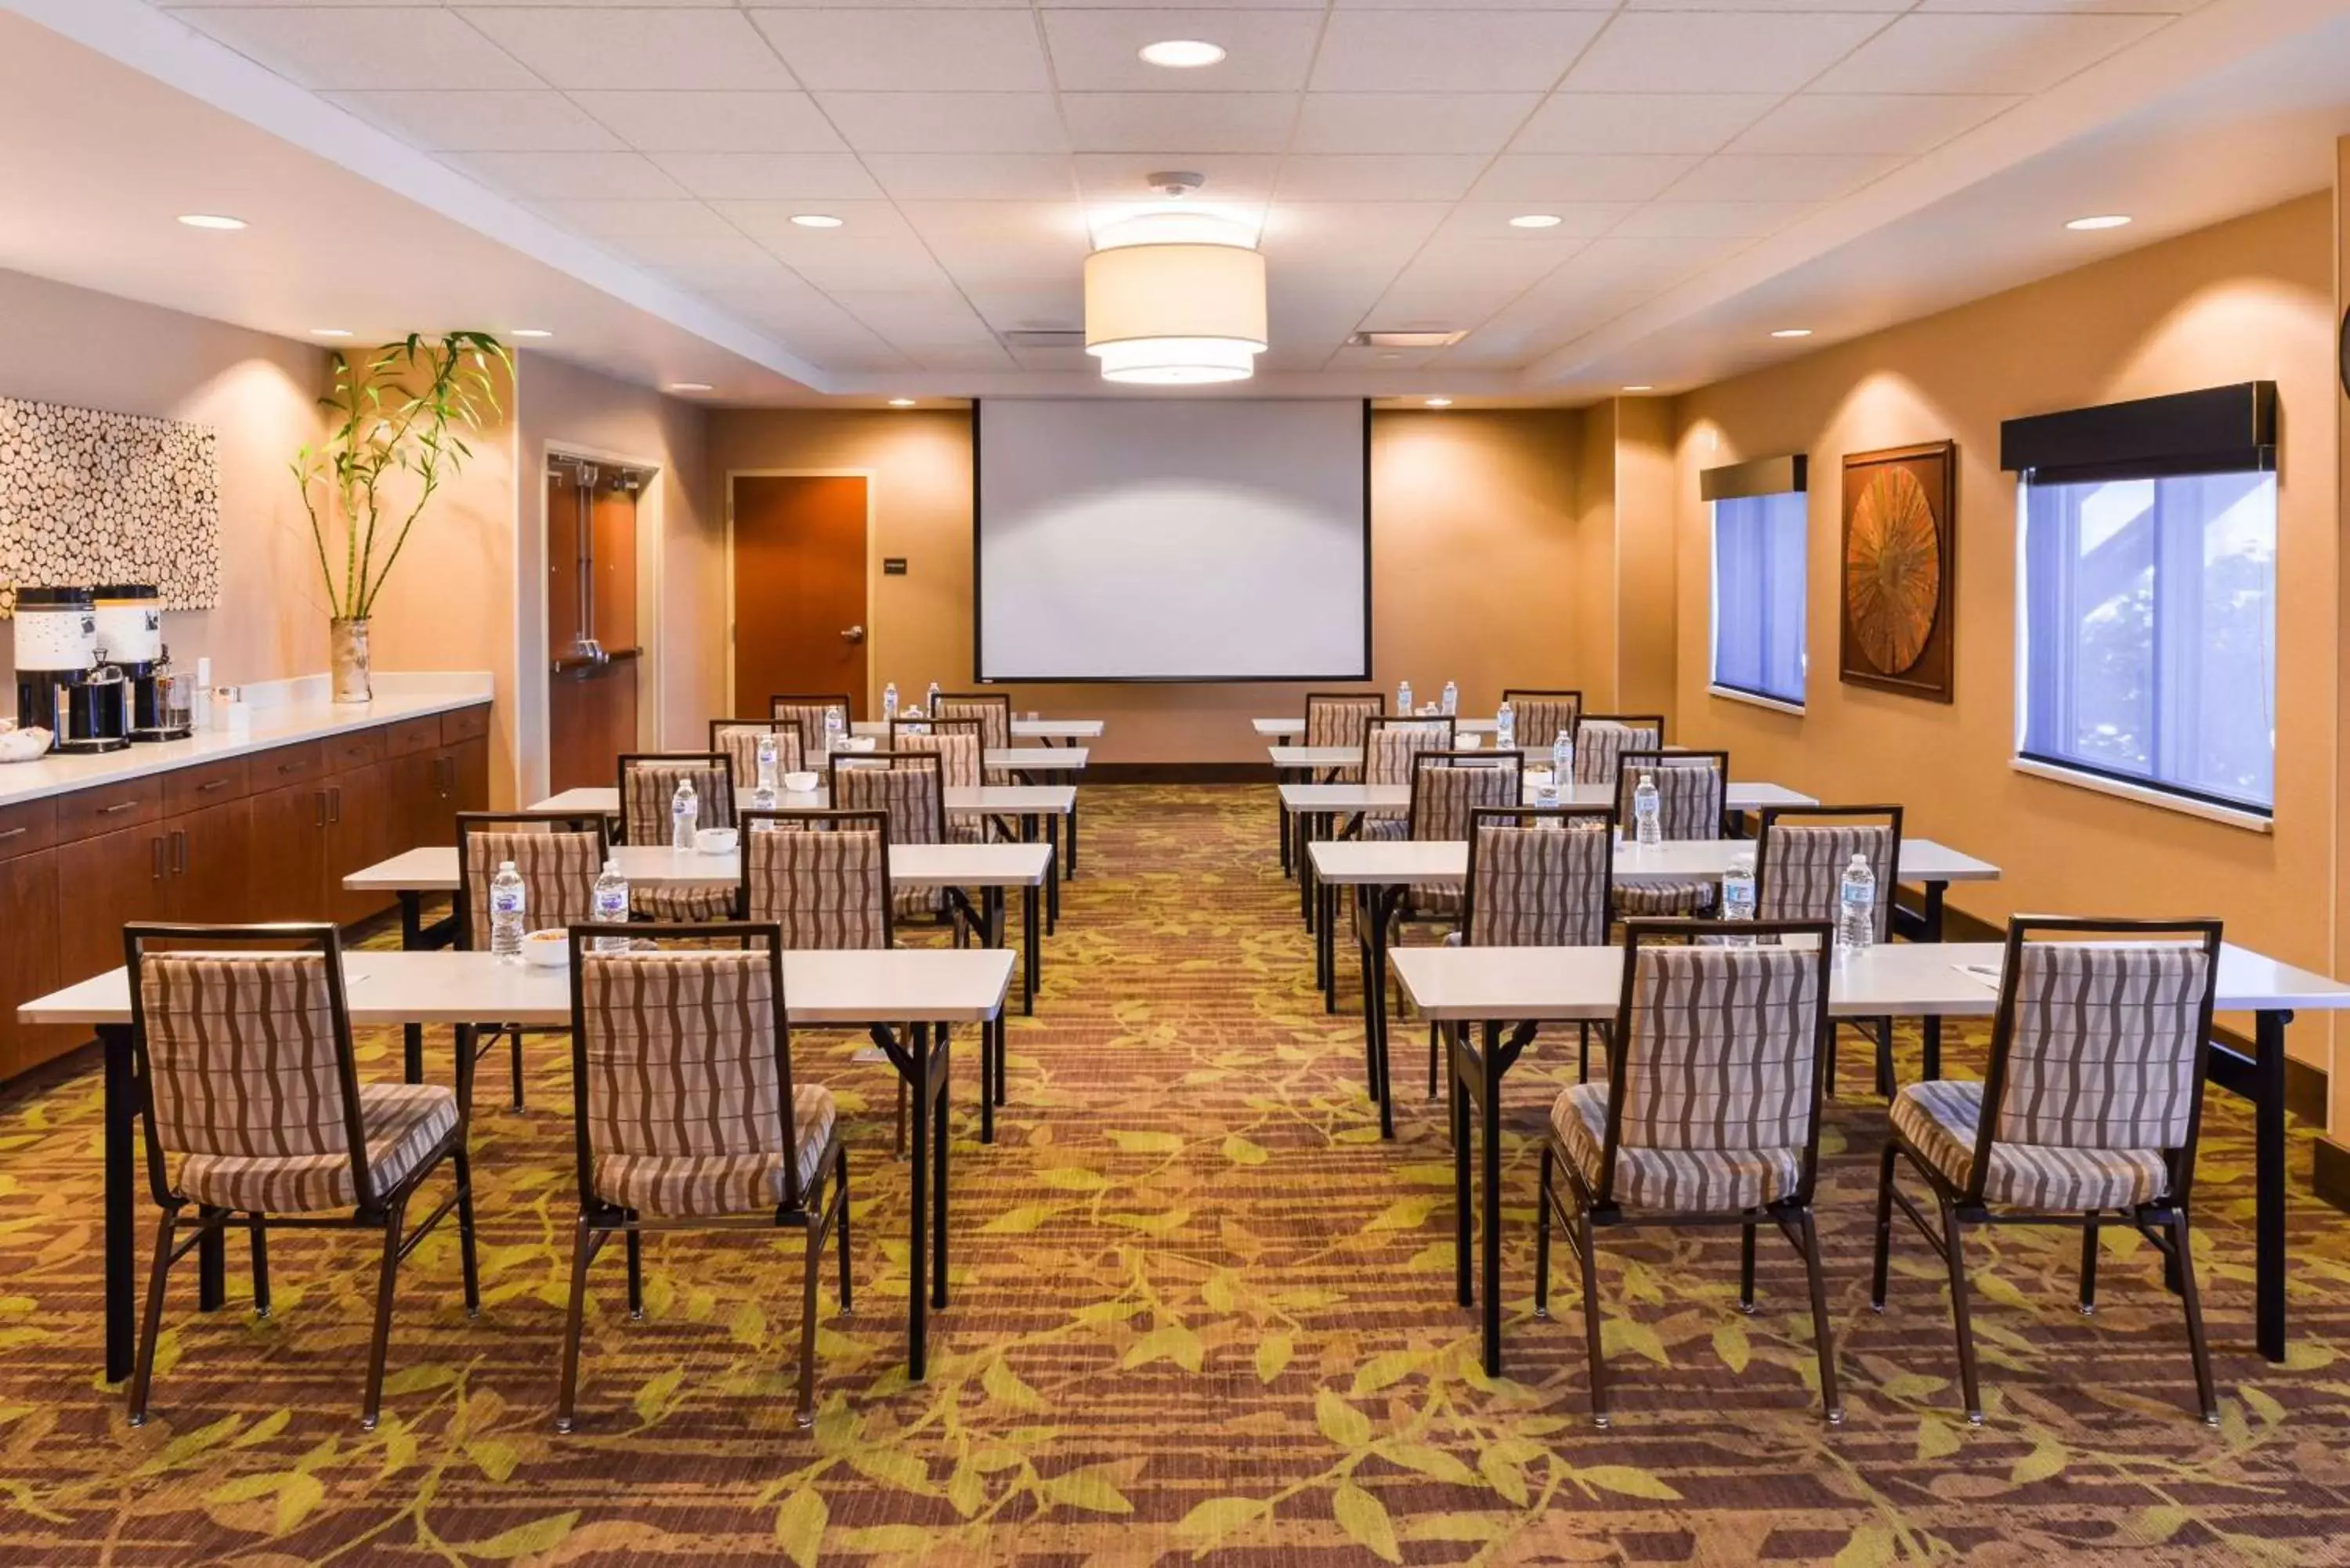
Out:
{"x": 212, "y": 860}
{"x": 104, "y": 883}
{"x": 289, "y": 854}
{"x": 469, "y": 778}
{"x": 414, "y": 781}
{"x": 29, "y": 960}
{"x": 358, "y": 834}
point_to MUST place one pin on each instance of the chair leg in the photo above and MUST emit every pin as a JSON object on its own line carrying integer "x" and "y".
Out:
{"x": 258, "y": 1230}
{"x": 1591, "y": 1335}
{"x": 1433, "y": 1030}
{"x": 901, "y": 1146}
{"x": 1583, "y": 1052}
{"x": 840, "y": 1176}
{"x": 1746, "y": 1268}
{"x": 2089, "y": 1267}
{"x": 573, "y": 1319}
{"x": 1884, "y": 1227}
{"x": 804, "y": 1411}
{"x": 513, "y": 1037}
{"x": 142, "y": 1370}
{"x": 1830, "y": 1398}
{"x": 2197, "y": 1344}
{"x": 1830, "y": 1075}
{"x": 1954, "y": 1243}
{"x": 461, "y": 1165}
{"x": 636, "y": 1239}
{"x": 394, "y": 1221}
{"x": 1542, "y": 1237}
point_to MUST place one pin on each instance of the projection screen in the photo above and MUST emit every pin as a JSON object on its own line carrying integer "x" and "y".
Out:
{"x": 1159, "y": 539}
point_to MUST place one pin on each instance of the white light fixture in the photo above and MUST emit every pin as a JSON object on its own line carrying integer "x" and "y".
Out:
{"x": 689, "y": 386}
{"x": 1536, "y": 221}
{"x": 330, "y": 332}
{"x": 1182, "y": 54}
{"x": 1439, "y": 403}
{"x": 530, "y": 332}
{"x": 902, "y": 402}
{"x": 1793, "y": 332}
{"x": 1643, "y": 387}
{"x": 1175, "y": 300}
{"x": 815, "y": 220}
{"x": 2105, "y": 221}
{"x": 211, "y": 220}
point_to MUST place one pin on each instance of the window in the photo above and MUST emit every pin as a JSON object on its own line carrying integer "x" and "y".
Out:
{"x": 2149, "y": 632}
{"x": 1758, "y": 594}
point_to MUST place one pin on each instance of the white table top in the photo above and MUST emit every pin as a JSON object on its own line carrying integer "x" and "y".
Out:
{"x": 933, "y": 985}
{"x": 1384, "y": 862}
{"x": 1280, "y": 729}
{"x": 1943, "y": 979}
{"x": 1347, "y": 798}
{"x": 1039, "y": 759}
{"x": 1022, "y": 728}
{"x": 434, "y": 870}
{"x": 988, "y": 800}
{"x": 1352, "y": 757}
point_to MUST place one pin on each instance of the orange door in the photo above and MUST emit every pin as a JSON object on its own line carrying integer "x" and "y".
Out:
{"x": 799, "y": 589}
{"x": 591, "y": 707}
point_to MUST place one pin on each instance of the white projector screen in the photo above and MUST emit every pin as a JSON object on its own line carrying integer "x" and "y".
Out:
{"x": 1129, "y": 539}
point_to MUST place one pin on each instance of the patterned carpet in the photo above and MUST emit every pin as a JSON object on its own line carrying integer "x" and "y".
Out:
{"x": 1201, "y": 1313}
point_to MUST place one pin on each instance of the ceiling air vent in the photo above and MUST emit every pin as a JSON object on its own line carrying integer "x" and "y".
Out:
{"x": 1414, "y": 337}
{"x": 1044, "y": 337}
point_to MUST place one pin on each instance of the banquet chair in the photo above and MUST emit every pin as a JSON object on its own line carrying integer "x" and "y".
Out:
{"x": 558, "y": 859}
{"x": 1800, "y": 855}
{"x": 649, "y": 782}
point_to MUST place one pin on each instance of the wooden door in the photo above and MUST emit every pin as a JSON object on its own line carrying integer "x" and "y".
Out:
{"x": 104, "y": 883}
{"x": 358, "y": 834}
{"x": 210, "y": 854}
{"x": 799, "y": 588}
{"x": 29, "y": 960}
{"x": 290, "y": 836}
{"x": 591, "y": 709}
{"x": 591, "y": 718}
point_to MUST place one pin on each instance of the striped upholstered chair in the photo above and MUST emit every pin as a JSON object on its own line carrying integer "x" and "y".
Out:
{"x": 1601, "y": 738}
{"x": 1539, "y": 716}
{"x": 1691, "y": 789}
{"x": 649, "y": 780}
{"x": 557, "y": 857}
{"x": 1710, "y": 1113}
{"x": 821, "y": 877}
{"x": 910, "y": 789}
{"x": 806, "y": 710}
{"x": 255, "y": 1115}
{"x": 961, "y": 746}
{"x": 1389, "y": 745}
{"x": 739, "y": 739}
{"x": 1338, "y": 719}
{"x": 1447, "y": 789}
{"x": 1800, "y": 853}
{"x": 689, "y": 1118}
{"x": 2089, "y": 1114}
{"x": 993, "y": 712}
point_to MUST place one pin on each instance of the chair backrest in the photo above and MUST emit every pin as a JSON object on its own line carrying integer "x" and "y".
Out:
{"x": 1336, "y": 718}
{"x": 807, "y": 710}
{"x": 1539, "y": 716}
{"x": 909, "y": 787}
{"x": 243, "y": 1048}
{"x": 821, "y": 877}
{"x": 1601, "y": 738}
{"x": 959, "y": 742}
{"x": 1539, "y": 876}
{"x": 1801, "y": 851}
{"x": 1446, "y": 786}
{"x": 649, "y": 782}
{"x": 1389, "y": 744}
{"x": 2101, "y": 1039}
{"x": 993, "y": 712}
{"x": 739, "y": 739}
{"x": 557, "y": 857}
{"x": 1719, "y": 1049}
{"x": 1691, "y": 789}
{"x": 683, "y": 1054}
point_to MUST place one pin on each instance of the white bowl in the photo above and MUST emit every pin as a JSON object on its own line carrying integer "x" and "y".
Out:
{"x": 802, "y": 781}
{"x": 715, "y": 840}
{"x": 858, "y": 743}
{"x": 1468, "y": 742}
{"x": 24, "y": 745}
{"x": 547, "y": 949}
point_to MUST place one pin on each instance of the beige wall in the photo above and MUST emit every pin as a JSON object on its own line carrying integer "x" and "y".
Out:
{"x": 1646, "y": 559}
{"x": 2247, "y": 300}
{"x": 1474, "y": 558}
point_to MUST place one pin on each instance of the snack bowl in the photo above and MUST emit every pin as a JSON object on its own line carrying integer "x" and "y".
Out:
{"x": 715, "y": 840}
{"x": 23, "y": 745}
{"x": 859, "y": 743}
{"x": 547, "y": 949}
{"x": 802, "y": 781}
{"x": 1468, "y": 742}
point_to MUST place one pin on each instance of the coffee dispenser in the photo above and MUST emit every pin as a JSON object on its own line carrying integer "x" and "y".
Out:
{"x": 60, "y": 686}
{"x": 130, "y": 639}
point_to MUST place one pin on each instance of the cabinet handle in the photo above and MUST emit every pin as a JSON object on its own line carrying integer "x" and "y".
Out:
{"x": 210, "y": 784}
{"x": 292, "y": 767}
{"x": 157, "y": 845}
{"x": 320, "y": 801}
{"x": 14, "y": 833}
{"x": 335, "y": 806}
{"x": 179, "y": 852}
{"x": 118, "y": 806}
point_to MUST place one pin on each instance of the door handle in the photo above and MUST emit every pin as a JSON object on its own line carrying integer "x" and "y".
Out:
{"x": 853, "y": 634}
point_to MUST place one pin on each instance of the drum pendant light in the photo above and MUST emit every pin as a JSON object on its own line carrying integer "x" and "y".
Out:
{"x": 1175, "y": 300}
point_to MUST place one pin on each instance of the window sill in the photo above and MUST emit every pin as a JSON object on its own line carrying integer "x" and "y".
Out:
{"x": 2144, "y": 794}
{"x": 1754, "y": 700}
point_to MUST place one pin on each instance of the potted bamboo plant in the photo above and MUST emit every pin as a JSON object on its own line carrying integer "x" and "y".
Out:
{"x": 400, "y": 415}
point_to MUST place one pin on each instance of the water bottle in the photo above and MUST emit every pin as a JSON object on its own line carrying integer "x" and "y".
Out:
{"x": 1562, "y": 758}
{"x": 1403, "y": 697}
{"x": 889, "y": 701}
{"x": 1452, "y": 699}
{"x": 765, "y": 778}
{"x": 831, "y": 730}
{"x": 506, "y": 901}
{"x": 611, "y": 907}
{"x": 1647, "y": 816}
{"x": 684, "y": 814}
{"x": 1505, "y": 728}
{"x": 1857, "y": 906}
{"x": 763, "y": 796}
{"x": 1738, "y": 893}
{"x": 932, "y": 700}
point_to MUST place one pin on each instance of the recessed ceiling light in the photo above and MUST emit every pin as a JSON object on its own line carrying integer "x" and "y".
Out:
{"x": 815, "y": 220}
{"x": 211, "y": 220}
{"x": 330, "y": 332}
{"x": 689, "y": 386}
{"x": 530, "y": 332}
{"x": 1793, "y": 332}
{"x": 1643, "y": 387}
{"x": 1440, "y": 402}
{"x": 1536, "y": 221}
{"x": 902, "y": 402}
{"x": 2106, "y": 221}
{"x": 1182, "y": 54}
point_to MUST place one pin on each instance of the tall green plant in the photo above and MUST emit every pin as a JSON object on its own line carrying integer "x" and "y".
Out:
{"x": 403, "y": 411}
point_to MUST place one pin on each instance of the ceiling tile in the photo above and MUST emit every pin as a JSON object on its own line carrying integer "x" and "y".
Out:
{"x": 1207, "y": 121}
{"x": 974, "y": 176}
{"x": 1640, "y": 122}
{"x": 1572, "y": 177}
{"x": 1491, "y": 220}
{"x": 1410, "y": 122}
{"x": 1041, "y": 308}
{"x": 2165, "y": 7}
{"x": 393, "y": 47}
{"x": 1746, "y": 177}
{"x": 1892, "y": 125}
{"x": 714, "y": 121}
{"x": 567, "y": 176}
{"x": 1719, "y": 219}
{"x": 1716, "y": 51}
{"x": 1377, "y": 177}
{"x": 946, "y": 121}
{"x": 1455, "y": 51}
{"x": 770, "y": 176}
{"x": 703, "y": 261}
{"x": 1267, "y": 51}
{"x": 1231, "y": 177}
{"x": 483, "y": 121}
{"x": 867, "y": 223}
{"x": 2011, "y": 54}
{"x": 592, "y": 48}
{"x": 911, "y": 50}
{"x": 601, "y": 218}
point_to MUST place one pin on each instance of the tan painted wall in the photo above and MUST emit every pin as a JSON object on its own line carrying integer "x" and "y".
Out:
{"x": 1474, "y": 523}
{"x": 2246, "y": 300}
{"x": 1594, "y": 559}
{"x": 1645, "y": 567}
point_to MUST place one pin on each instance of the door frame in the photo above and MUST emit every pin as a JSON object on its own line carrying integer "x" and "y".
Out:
{"x": 872, "y": 573}
{"x": 538, "y": 741}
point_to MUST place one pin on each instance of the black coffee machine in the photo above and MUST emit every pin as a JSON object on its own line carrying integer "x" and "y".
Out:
{"x": 130, "y": 639}
{"x": 60, "y": 686}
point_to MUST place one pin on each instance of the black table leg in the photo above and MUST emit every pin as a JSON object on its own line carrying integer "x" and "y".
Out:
{"x": 918, "y": 1254}
{"x": 1073, "y": 833}
{"x": 938, "y": 1148}
{"x": 1932, "y": 1032}
{"x": 1490, "y": 1113}
{"x": 1031, "y": 948}
{"x": 1325, "y": 945}
{"x": 1302, "y": 830}
{"x": 1052, "y": 876}
{"x": 990, "y": 1035}
{"x": 412, "y": 937}
{"x": 1460, "y": 1070}
{"x": 1281, "y": 812}
{"x": 2268, "y": 1181}
{"x": 1375, "y": 1002}
{"x": 120, "y": 1117}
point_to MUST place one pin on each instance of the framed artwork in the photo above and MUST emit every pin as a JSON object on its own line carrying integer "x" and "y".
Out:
{"x": 1899, "y": 568}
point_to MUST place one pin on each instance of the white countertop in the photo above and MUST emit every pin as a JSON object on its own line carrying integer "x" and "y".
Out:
{"x": 301, "y": 712}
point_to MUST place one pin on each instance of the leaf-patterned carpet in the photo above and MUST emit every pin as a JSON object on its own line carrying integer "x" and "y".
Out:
{"x": 1200, "y": 1312}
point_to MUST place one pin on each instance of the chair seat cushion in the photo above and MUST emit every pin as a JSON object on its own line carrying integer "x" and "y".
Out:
{"x": 1938, "y": 1118}
{"x": 908, "y": 903}
{"x": 402, "y": 1125}
{"x": 1690, "y": 898}
{"x": 1676, "y": 1181}
{"x": 682, "y": 903}
{"x": 1384, "y": 830}
{"x": 700, "y": 1184}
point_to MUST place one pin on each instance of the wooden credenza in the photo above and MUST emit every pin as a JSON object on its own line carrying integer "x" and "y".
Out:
{"x": 267, "y": 835}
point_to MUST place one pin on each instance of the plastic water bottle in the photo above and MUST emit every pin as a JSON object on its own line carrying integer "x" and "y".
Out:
{"x": 1403, "y": 697}
{"x": 1857, "y": 906}
{"x": 889, "y": 701}
{"x": 684, "y": 814}
{"x": 1505, "y": 728}
{"x": 831, "y": 730}
{"x": 932, "y": 702}
{"x": 611, "y": 907}
{"x": 1562, "y": 758}
{"x": 1452, "y": 699}
{"x": 507, "y": 899}
{"x": 1648, "y": 814}
{"x": 1738, "y": 893}
{"x": 766, "y": 755}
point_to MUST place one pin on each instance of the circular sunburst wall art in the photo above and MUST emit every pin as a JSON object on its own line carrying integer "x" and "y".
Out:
{"x": 1893, "y": 571}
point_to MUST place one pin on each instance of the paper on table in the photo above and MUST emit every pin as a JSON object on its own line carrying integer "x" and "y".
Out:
{"x": 1986, "y": 972}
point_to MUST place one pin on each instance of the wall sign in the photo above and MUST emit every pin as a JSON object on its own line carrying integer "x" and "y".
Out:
{"x": 893, "y": 566}
{"x": 1898, "y": 569}
{"x": 89, "y": 497}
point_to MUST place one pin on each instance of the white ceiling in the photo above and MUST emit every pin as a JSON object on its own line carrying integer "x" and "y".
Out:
{"x": 1705, "y": 156}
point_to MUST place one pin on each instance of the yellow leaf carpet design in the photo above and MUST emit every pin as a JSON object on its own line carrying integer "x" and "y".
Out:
{"x": 1201, "y": 1313}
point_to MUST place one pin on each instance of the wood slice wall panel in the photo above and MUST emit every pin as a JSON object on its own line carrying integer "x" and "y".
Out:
{"x": 92, "y": 497}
